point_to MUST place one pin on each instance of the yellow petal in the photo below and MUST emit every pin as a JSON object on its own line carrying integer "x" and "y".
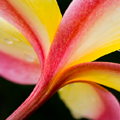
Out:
{"x": 44, "y": 17}
{"x": 88, "y": 30}
{"x": 101, "y": 34}
{"x": 90, "y": 101}
{"x": 15, "y": 44}
{"x": 82, "y": 100}
{"x": 104, "y": 73}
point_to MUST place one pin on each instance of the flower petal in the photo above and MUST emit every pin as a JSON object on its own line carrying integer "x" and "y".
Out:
{"x": 104, "y": 73}
{"x": 38, "y": 29}
{"x": 18, "y": 60}
{"x": 12, "y": 42}
{"x": 89, "y": 29}
{"x": 44, "y": 15}
{"x": 99, "y": 32}
{"x": 19, "y": 71}
{"x": 90, "y": 101}
{"x": 26, "y": 15}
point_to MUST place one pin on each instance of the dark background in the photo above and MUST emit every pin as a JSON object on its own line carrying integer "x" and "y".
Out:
{"x": 12, "y": 95}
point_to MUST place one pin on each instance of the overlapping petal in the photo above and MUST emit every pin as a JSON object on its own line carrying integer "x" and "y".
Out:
{"x": 92, "y": 31}
{"x": 29, "y": 19}
{"x": 38, "y": 22}
{"x": 104, "y": 73}
{"x": 43, "y": 15}
{"x": 90, "y": 101}
{"x": 18, "y": 60}
{"x": 105, "y": 104}
{"x": 89, "y": 29}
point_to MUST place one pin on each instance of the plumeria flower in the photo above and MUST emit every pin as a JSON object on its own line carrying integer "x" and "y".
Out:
{"x": 38, "y": 47}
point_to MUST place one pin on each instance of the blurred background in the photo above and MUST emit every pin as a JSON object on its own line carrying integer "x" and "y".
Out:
{"x": 12, "y": 95}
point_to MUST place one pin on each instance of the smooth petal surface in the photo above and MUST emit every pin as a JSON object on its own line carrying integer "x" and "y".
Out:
{"x": 12, "y": 42}
{"x": 18, "y": 60}
{"x": 98, "y": 29}
{"x": 37, "y": 21}
{"x": 89, "y": 29}
{"x": 104, "y": 73}
{"x": 44, "y": 16}
{"x": 90, "y": 101}
{"x": 25, "y": 16}
{"x": 19, "y": 71}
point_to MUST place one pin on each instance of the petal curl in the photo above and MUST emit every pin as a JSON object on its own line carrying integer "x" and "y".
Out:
{"x": 90, "y": 101}
{"x": 19, "y": 71}
{"x": 104, "y": 73}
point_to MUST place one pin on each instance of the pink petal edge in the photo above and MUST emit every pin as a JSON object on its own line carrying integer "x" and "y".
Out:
{"x": 111, "y": 104}
{"x": 110, "y": 107}
{"x": 72, "y": 28}
{"x": 18, "y": 71}
{"x": 57, "y": 57}
{"x": 76, "y": 72}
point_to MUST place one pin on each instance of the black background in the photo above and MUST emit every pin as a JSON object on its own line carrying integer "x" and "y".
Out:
{"x": 12, "y": 95}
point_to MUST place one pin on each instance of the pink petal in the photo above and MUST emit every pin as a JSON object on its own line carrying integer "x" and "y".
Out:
{"x": 112, "y": 106}
{"x": 82, "y": 19}
{"x": 18, "y": 71}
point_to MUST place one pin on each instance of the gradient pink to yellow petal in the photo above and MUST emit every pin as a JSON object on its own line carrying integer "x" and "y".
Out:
{"x": 16, "y": 13}
{"x": 91, "y": 101}
{"x": 12, "y": 42}
{"x": 104, "y": 73}
{"x": 89, "y": 29}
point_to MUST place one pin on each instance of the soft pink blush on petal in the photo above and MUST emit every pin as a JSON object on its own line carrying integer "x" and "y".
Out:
{"x": 73, "y": 27}
{"x": 19, "y": 71}
{"x": 57, "y": 57}
{"x": 112, "y": 107}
